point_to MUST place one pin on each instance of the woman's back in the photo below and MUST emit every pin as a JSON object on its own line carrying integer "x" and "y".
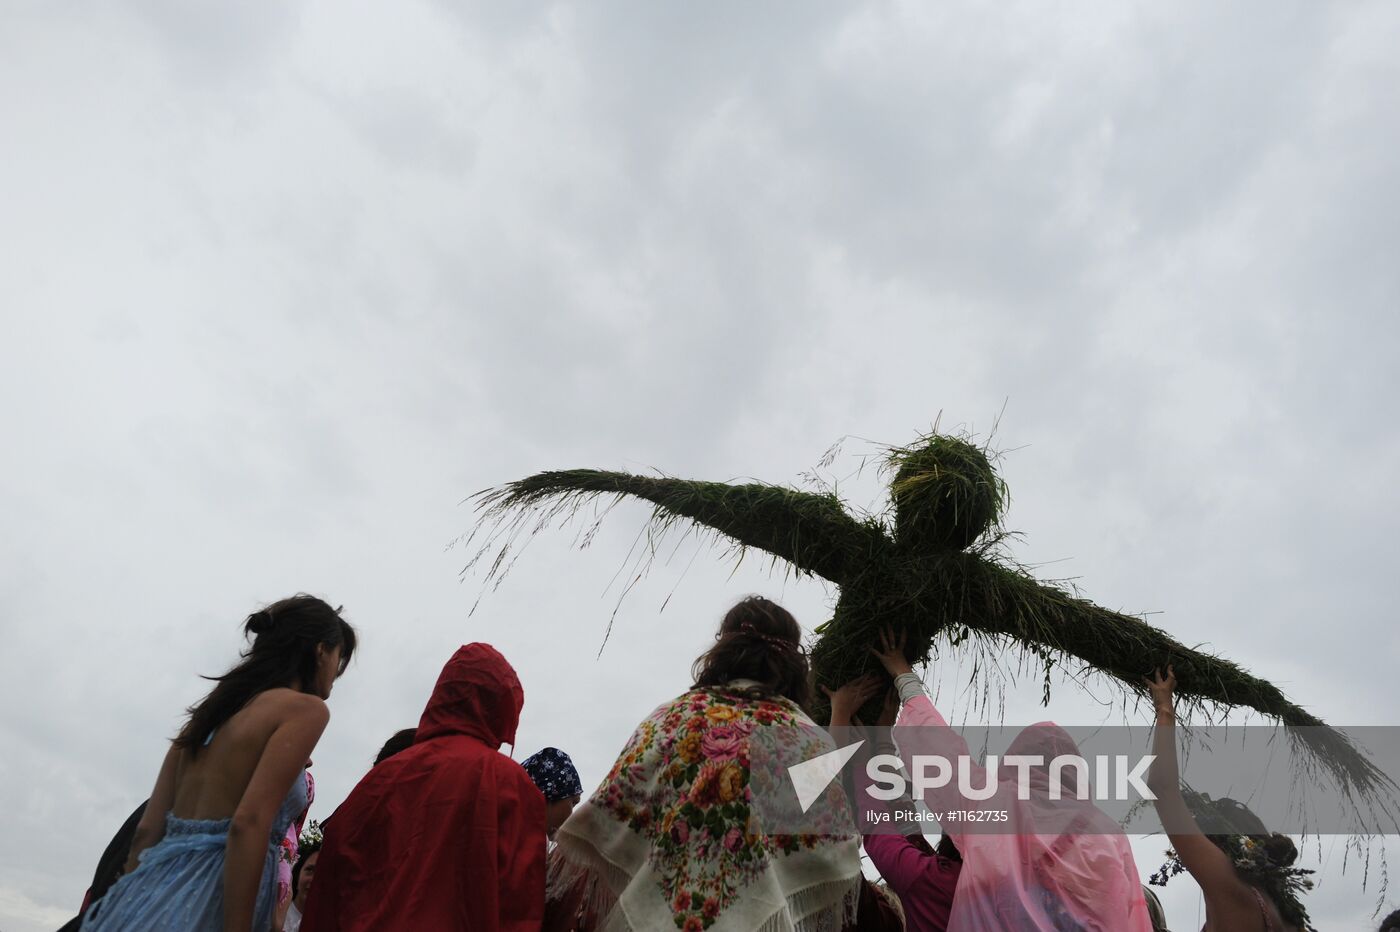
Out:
{"x": 206, "y": 851}
{"x": 674, "y": 837}
{"x": 211, "y": 783}
{"x": 686, "y": 831}
{"x": 1246, "y": 910}
{"x": 180, "y": 880}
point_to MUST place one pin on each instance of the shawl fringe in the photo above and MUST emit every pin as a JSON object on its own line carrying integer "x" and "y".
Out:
{"x": 586, "y": 885}
{"x": 590, "y": 881}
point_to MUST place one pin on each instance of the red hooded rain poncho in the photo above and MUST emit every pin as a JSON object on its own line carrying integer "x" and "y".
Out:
{"x": 448, "y": 834}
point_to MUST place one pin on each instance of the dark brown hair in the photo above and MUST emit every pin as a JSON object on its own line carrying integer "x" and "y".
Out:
{"x": 400, "y": 740}
{"x": 285, "y": 637}
{"x": 758, "y": 640}
{"x": 304, "y": 854}
{"x": 1229, "y": 818}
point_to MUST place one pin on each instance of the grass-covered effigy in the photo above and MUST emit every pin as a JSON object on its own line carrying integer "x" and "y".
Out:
{"x": 934, "y": 566}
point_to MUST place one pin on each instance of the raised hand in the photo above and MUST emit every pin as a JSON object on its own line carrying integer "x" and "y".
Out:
{"x": 890, "y": 651}
{"x": 847, "y": 699}
{"x": 889, "y": 712}
{"x": 1163, "y": 690}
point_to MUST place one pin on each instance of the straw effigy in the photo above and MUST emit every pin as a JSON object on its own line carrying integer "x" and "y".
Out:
{"x": 935, "y": 567}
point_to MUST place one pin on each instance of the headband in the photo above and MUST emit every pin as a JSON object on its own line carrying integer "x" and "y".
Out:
{"x": 747, "y": 627}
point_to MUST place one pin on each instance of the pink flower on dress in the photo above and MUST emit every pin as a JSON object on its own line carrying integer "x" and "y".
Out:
{"x": 704, "y": 791}
{"x": 711, "y": 907}
{"x": 722, "y": 742}
{"x": 733, "y": 839}
{"x": 680, "y": 832}
{"x": 682, "y": 901}
{"x": 693, "y": 924}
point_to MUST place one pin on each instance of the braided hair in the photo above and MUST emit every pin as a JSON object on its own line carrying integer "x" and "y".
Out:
{"x": 758, "y": 640}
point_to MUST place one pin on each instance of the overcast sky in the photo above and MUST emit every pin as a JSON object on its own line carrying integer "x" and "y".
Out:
{"x": 283, "y": 283}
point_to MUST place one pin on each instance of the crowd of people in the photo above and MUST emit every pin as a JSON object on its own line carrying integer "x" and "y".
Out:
{"x": 447, "y": 832}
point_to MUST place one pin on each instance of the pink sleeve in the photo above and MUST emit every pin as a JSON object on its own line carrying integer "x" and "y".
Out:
{"x": 919, "y": 711}
{"x": 929, "y": 733}
{"x": 897, "y": 859}
{"x": 1093, "y": 879}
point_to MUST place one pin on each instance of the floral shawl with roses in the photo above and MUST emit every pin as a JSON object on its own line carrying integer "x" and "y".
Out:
{"x": 672, "y": 839}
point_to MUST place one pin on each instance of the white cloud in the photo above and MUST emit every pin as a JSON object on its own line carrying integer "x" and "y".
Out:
{"x": 283, "y": 286}
{"x": 21, "y": 914}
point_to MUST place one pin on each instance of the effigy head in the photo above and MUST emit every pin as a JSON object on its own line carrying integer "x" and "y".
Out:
{"x": 946, "y": 494}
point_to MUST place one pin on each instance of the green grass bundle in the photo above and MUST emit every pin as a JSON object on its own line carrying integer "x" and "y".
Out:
{"x": 936, "y": 568}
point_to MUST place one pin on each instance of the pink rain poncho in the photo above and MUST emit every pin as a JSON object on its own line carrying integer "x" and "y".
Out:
{"x": 1080, "y": 875}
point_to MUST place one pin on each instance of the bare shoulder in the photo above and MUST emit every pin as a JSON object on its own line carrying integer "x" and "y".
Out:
{"x": 292, "y": 705}
{"x": 1235, "y": 904}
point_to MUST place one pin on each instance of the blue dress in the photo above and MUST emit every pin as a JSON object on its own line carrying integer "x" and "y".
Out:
{"x": 179, "y": 882}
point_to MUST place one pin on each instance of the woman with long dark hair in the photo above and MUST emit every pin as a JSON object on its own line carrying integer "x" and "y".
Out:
{"x": 672, "y": 838}
{"x": 204, "y": 856}
{"x": 1246, "y": 872}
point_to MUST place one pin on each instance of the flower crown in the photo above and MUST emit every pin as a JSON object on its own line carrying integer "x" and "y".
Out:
{"x": 1252, "y": 861}
{"x": 311, "y": 835}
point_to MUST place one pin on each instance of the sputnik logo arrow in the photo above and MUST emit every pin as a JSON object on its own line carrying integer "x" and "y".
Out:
{"x": 811, "y": 777}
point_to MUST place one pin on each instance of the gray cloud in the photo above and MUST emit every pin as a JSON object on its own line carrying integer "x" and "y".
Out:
{"x": 284, "y": 286}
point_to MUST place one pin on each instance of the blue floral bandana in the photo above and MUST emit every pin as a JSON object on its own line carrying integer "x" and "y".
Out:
{"x": 554, "y": 773}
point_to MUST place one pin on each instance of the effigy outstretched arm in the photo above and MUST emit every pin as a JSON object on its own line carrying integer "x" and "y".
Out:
{"x": 994, "y": 600}
{"x": 812, "y": 532}
{"x": 960, "y": 598}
